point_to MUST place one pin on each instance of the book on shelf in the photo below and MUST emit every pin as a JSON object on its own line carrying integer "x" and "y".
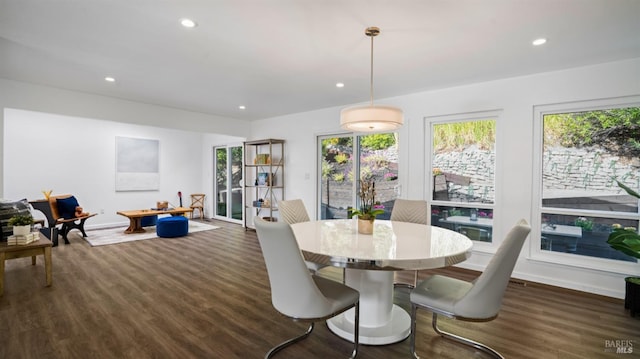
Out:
{"x": 14, "y": 240}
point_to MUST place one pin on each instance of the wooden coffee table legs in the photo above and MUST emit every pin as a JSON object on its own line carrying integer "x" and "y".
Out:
{"x": 134, "y": 226}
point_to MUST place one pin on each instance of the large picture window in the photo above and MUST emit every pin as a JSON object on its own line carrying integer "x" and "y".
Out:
{"x": 463, "y": 174}
{"x": 584, "y": 155}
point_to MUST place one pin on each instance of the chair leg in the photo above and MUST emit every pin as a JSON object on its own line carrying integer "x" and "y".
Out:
{"x": 463, "y": 340}
{"x": 408, "y": 285}
{"x": 285, "y": 344}
{"x": 414, "y": 309}
{"x": 356, "y": 331}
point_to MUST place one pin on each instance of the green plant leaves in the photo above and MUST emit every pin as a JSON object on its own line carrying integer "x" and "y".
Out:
{"x": 629, "y": 190}
{"x": 625, "y": 241}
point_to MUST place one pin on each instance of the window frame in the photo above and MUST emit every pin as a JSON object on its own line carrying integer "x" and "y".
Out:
{"x": 430, "y": 121}
{"x": 570, "y": 259}
{"x": 356, "y": 150}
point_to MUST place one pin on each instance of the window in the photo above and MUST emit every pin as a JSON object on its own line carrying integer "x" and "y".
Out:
{"x": 584, "y": 153}
{"x": 347, "y": 159}
{"x": 463, "y": 173}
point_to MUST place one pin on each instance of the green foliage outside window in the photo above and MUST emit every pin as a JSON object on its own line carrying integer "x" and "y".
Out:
{"x": 341, "y": 158}
{"x": 456, "y": 136}
{"x": 378, "y": 141}
{"x": 616, "y": 130}
{"x": 327, "y": 168}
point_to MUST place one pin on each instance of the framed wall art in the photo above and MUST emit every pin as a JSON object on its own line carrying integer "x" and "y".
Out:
{"x": 137, "y": 164}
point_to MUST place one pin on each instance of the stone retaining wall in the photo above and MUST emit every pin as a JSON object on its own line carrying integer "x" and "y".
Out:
{"x": 588, "y": 169}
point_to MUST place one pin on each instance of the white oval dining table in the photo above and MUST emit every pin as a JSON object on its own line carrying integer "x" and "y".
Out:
{"x": 369, "y": 262}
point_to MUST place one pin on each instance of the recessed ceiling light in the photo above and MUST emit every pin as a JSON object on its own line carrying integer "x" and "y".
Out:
{"x": 110, "y": 79}
{"x": 339, "y": 85}
{"x": 540, "y": 41}
{"x": 242, "y": 107}
{"x": 188, "y": 23}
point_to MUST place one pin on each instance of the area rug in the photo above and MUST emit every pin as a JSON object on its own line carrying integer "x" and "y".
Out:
{"x": 103, "y": 237}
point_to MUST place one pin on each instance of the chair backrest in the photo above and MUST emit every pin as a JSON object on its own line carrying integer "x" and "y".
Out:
{"x": 408, "y": 210}
{"x": 293, "y": 211}
{"x": 485, "y": 298}
{"x": 197, "y": 200}
{"x": 293, "y": 291}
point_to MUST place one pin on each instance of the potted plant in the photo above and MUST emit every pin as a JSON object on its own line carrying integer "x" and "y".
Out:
{"x": 627, "y": 241}
{"x": 369, "y": 209}
{"x": 21, "y": 224}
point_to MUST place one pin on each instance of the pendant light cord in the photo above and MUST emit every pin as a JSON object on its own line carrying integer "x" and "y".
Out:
{"x": 371, "y": 70}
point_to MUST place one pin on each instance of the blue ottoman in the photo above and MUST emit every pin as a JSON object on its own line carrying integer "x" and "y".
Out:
{"x": 148, "y": 221}
{"x": 176, "y": 226}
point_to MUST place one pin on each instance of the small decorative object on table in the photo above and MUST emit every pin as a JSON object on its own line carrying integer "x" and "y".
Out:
{"x": 21, "y": 240}
{"x": 21, "y": 224}
{"x": 369, "y": 208}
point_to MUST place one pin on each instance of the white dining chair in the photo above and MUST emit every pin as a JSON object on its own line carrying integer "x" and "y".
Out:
{"x": 412, "y": 211}
{"x": 477, "y": 301}
{"x": 296, "y": 293}
{"x": 292, "y": 212}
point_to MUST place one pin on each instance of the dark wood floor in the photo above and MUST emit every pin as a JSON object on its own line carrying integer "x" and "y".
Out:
{"x": 207, "y": 296}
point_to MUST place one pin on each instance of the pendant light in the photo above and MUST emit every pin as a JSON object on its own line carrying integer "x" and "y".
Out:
{"x": 371, "y": 118}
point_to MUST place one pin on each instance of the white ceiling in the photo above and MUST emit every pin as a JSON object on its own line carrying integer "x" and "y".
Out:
{"x": 285, "y": 56}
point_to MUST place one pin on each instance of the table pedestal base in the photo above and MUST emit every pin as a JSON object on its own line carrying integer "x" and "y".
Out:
{"x": 396, "y": 330}
{"x": 381, "y": 321}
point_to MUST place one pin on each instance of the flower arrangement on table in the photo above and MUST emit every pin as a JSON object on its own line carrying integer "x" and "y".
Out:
{"x": 369, "y": 208}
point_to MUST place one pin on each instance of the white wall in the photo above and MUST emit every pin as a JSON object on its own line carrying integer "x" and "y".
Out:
{"x": 76, "y": 155}
{"x": 515, "y": 97}
{"x": 65, "y": 141}
{"x": 20, "y": 95}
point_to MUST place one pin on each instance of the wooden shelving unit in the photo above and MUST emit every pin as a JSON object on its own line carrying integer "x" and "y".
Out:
{"x": 263, "y": 179}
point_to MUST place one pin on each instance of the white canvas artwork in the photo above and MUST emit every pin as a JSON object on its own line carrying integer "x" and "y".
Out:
{"x": 137, "y": 164}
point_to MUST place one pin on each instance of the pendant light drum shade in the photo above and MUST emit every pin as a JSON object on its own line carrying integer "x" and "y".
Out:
{"x": 371, "y": 118}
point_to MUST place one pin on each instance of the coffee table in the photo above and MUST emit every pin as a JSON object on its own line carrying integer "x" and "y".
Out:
{"x": 136, "y": 215}
{"x": 33, "y": 249}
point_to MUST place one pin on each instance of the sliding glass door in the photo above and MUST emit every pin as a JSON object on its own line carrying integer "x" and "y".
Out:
{"x": 346, "y": 159}
{"x": 227, "y": 185}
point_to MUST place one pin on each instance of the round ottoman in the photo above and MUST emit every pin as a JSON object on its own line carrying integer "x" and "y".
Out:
{"x": 149, "y": 221}
{"x": 176, "y": 226}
